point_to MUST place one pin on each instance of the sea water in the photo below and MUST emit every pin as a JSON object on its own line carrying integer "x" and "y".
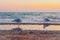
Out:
{"x": 28, "y": 17}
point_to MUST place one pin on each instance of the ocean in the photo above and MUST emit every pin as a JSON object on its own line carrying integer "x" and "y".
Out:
{"x": 28, "y": 17}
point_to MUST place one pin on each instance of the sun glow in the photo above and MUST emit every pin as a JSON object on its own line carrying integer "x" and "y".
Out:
{"x": 29, "y": 5}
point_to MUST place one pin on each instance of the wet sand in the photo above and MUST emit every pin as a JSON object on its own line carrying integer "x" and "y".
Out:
{"x": 30, "y": 37}
{"x": 30, "y": 27}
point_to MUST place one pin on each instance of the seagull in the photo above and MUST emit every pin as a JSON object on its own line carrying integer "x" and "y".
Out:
{"x": 17, "y": 20}
{"x": 46, "y": 20}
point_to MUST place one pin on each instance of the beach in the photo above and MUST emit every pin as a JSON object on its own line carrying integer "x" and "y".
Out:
{"x": 9, "y": 30}
{"x": 30, "y": 36}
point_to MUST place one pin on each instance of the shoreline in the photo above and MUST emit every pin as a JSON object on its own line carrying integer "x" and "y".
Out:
{"x": 41, "y": 23}
{"x": 30, "y": 26}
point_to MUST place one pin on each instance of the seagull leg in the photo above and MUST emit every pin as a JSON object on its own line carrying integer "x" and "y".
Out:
{"x": 18, "y": 25}
{"x": 45, "y": 25}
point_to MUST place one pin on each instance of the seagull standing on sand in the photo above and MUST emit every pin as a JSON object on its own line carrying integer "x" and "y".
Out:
{"x": 18, "y": 20}
{"x": 46, "y": 20}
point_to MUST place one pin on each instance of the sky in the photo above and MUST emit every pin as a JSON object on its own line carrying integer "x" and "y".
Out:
{"x": 29, "y": 5}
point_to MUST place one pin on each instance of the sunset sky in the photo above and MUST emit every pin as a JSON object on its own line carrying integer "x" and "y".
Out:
{"x": 29, "y": 5}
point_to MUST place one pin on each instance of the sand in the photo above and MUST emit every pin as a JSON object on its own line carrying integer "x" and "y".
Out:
{"x": 30, "y": 37}
{"x": 30, "y": 27}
